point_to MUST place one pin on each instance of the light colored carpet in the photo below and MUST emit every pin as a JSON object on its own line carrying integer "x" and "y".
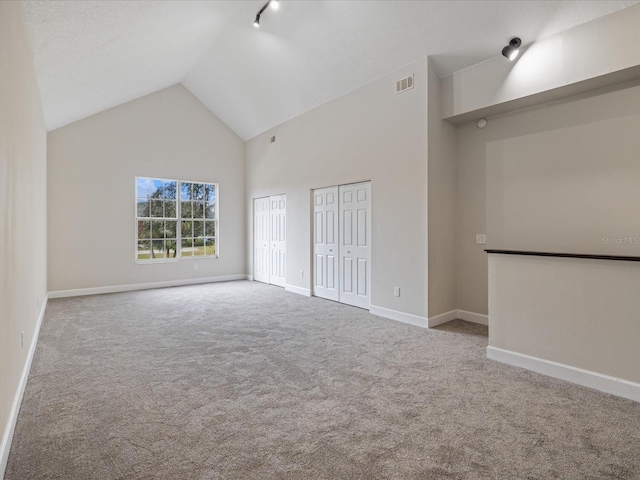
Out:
{"x": 246, "y": 381}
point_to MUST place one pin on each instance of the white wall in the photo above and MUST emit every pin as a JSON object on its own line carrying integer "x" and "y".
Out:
{"x": 92, "y": 167}
{"x": 591, "y": 55}
{"x": 556, "y": 178}
{"x": 442, "y": 199}
{"x": 23, "y": 212}
{"x": 581, "y": 313}
{"x": 369, "y": 134}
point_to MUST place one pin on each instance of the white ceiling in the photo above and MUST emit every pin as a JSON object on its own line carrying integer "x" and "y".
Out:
{"x": 94, "y": 55}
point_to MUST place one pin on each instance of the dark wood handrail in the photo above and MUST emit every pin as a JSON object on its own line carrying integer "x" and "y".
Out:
{"x": 566, "y": 255}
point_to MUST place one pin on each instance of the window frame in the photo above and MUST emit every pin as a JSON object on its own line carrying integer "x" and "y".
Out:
{"x": 178, "y": 219}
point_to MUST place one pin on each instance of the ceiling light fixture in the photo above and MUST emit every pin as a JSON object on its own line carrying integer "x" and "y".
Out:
{"x": 512, "y": 50}
{"x": 275, "y": 4}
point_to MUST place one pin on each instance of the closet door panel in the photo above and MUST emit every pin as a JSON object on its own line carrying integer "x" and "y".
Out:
{"x": 355, "y": 244}
{"x": 261, "y": 239}
{"x": 278, "y": 241}
{"x": 325, "y": 243}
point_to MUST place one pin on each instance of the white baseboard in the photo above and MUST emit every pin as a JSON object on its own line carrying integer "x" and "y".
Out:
{"x": 442, "y": 318}
{"x": 458, "y": 314}
{"x": 432, "y": 321}
{"x": 398, "y": 316}
{"x": 586, "y": 378}
{"x": 144, "y": 286}
{"x": 299, "y": 290}
{"x": 473, "y": 317}
{"x": 250, "y": 278}
{"x": 7, "y": 435}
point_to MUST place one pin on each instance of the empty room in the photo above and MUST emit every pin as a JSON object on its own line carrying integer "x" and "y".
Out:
{"x": 320, "y": 239}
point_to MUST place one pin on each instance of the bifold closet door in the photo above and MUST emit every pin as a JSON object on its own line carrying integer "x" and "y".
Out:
{"x": 278, "y": 243}
{"x": 355, "y": 244}
{"x": 325, "y": 243}
{"x": 261, "y": 239}
{"x": 269, "y": 239}
{"x": 342, "y": 244}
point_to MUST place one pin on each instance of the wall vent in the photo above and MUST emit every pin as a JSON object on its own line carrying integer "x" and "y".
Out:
{"x": 404, "y": 84}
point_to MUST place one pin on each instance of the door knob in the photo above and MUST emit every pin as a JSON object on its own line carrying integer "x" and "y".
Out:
{"x": 348, "y": 251}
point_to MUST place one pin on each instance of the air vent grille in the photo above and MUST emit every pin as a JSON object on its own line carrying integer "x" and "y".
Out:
{"x": 404, "y": 84}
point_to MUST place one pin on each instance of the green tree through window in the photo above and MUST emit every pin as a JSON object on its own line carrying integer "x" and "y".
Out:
{"x": 175, "y": 219}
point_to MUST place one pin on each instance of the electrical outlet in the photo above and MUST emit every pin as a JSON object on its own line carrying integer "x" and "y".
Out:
{"x": 195, "y": 266}
{"x": 396, "y": 291}
{"x": 481, "y": 239}
{"x": 301, "y": 273}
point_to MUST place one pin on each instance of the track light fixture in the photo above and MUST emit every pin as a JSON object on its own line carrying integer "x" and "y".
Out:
{"x": 275, "y": 5}
{"x": 512, "y": 50}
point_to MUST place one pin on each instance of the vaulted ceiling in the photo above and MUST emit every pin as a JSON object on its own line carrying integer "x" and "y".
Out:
{"x": 94, "y": 55}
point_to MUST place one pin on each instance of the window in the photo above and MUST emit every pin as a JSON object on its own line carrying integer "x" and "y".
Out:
{"x": 175, "y": 219}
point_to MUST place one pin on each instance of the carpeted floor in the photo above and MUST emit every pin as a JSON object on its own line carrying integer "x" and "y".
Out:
{"x": 245, "y": 381}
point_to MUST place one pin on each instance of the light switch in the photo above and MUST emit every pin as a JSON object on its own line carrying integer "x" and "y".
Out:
{"x": 481, "y": 239}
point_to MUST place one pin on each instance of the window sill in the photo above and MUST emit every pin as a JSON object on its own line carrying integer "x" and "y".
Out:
{"x": 176, "y": 260}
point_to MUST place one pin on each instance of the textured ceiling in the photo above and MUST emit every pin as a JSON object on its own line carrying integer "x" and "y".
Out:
{"x": 94, "y": 55}
{"x": 91, "y": 56}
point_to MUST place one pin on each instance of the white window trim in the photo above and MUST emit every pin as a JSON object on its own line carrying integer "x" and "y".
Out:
{"x": 178, "y": 258}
